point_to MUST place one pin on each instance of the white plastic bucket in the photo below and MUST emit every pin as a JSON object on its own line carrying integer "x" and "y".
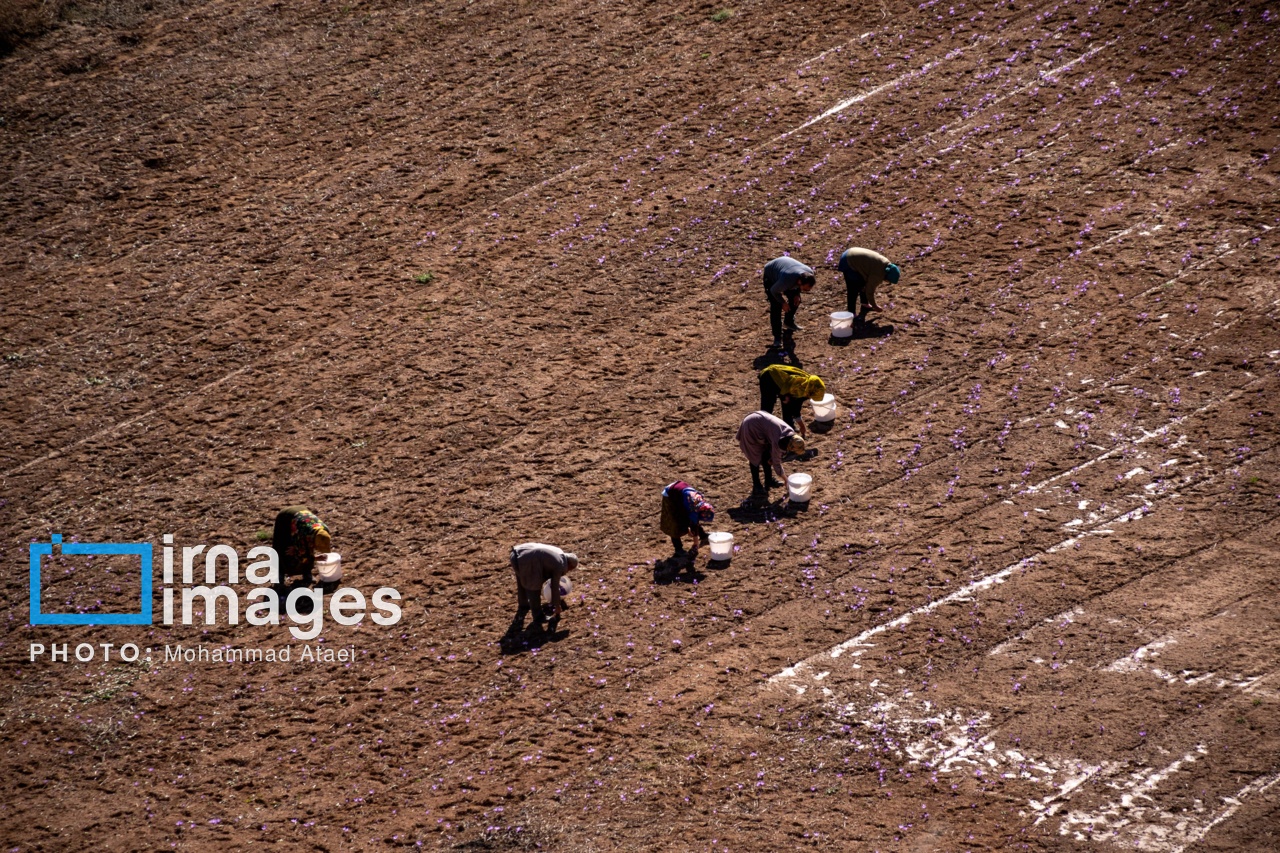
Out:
{"x": 842, "y": 324}
{"x": 566, "y": 587}
{"x": 329, "y": 567}
{"x": 721, "y": 545}
{"x": 825, "y": 409}
{"x": 798, "y": 487}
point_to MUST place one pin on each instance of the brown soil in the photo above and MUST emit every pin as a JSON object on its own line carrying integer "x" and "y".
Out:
{"x": 464, "y": 274}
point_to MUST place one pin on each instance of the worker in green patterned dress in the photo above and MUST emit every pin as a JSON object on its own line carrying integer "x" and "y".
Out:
{"x": 299, "y": 535}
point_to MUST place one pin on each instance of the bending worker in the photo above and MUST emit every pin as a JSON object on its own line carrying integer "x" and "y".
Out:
{"x": 784, "y": 280}
{"x": 298, "y": 536}
{"x": 864, "y": 271}
{"x": 685, "y": 510}
{"x": 764, "y": 439}
{"x": 534, "y": 564}
{"x": 792, "y": 386}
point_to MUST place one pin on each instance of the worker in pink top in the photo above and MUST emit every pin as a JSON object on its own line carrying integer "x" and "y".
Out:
{"x": 764, "y": 440}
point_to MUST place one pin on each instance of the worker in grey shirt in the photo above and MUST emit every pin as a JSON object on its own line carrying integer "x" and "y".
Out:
{"x": 534, "y": 564}
{"x": 784, "y": 280}
{"x": 864, "y": 271}
{"x": 764, "y": 439}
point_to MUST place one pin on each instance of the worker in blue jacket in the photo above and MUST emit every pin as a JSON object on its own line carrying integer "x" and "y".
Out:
{"x": 785, "y": 279}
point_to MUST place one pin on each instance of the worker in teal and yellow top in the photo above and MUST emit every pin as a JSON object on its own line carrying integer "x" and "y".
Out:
{"x": 764, "y": 440}
{"x": 864, "y": 272}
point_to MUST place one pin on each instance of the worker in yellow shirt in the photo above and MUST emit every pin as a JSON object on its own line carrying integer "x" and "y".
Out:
{"x": 792, "y": 386}
{"x": 764, "y": 440}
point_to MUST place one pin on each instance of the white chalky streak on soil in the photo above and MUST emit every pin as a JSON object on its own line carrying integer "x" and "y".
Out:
{"x": 1120, "y": 235}
{"x": 1143, "y": 660}
{"x": 1261, "y": 786}
{"x": 927, "y": 67}
{"x": 1140, "y": 658}
{"x": 960, "y": 740}
{"x": 1135, "y": 825}
{"x": 1255, "y": 685}
{"x": 1050, "y": 804}
{"x": 959, "y": 595}
{"x": 1000, "y": 576}
{"x": 1133, "y": 812}
{"x": 897, "y": 81}
{"x": 1156, "y": 433}
{"x": 1062, "y": 618}
{"x": 835, "y": 49}
{"x": 1053, "y": 72}
{"x": 1017, "y": 90}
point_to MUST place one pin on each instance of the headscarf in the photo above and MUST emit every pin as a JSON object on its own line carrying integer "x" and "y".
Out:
{"x": 697, "y": 507}
{"x": 705, "y": 511}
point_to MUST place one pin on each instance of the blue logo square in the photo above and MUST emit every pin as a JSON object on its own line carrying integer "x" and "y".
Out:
{"x": 142, "y": 617}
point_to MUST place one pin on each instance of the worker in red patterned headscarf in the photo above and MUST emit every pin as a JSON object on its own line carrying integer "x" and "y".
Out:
{"x": 685, "y": 510}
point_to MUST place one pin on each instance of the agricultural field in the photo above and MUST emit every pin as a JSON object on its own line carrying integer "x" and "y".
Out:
{"x": 464, "y": 274}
